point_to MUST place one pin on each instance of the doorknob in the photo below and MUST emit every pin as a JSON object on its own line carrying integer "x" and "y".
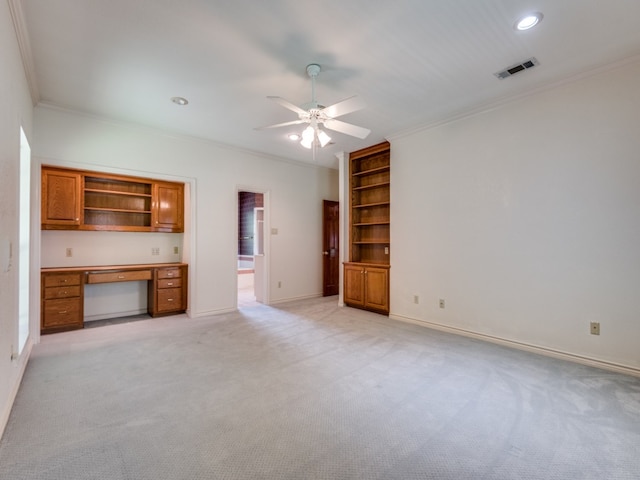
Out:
{"x": 325, "y": 253}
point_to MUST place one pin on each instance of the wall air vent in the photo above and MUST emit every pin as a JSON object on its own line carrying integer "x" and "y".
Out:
{"x": 518, "y": 67}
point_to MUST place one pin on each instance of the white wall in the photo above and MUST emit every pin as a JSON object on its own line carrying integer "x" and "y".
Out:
{"x": 525, "y": 219}
{"x": 15, "y": 110}
{"x": 213, "y": 173}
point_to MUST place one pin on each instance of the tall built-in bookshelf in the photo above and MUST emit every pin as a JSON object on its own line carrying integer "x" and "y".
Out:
{"x": 367, "y": 271}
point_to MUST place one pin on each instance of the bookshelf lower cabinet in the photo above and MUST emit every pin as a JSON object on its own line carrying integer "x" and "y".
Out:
{"x": 367, "y": 286}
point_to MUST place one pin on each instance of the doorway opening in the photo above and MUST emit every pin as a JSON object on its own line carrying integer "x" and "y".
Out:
{"x": 251, "y": 248}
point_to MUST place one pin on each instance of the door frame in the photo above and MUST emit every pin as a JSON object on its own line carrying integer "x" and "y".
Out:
{"x": 265, "y": 293}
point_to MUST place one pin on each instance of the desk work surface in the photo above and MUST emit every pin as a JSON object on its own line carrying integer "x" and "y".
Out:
{"x": 101, "y": 268}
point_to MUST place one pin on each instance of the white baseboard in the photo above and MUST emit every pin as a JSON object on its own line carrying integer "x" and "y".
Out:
{"x": 208, "y": 313}
{"x": 21, "y": 364}
{"x": 104, "y": 316}
{"x": 295, "y": 299}
{"x": 549, "y": 352}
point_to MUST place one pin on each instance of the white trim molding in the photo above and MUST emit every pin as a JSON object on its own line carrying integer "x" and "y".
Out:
{"x": 549, "y": 352}
{"x": 22, "y": 35}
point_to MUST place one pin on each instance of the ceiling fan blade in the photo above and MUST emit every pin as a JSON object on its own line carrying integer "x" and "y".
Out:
{"x": 347, "y": 105}
{"x": 348, "y": 128}
{"x": 289, "y": 105}
{"x": 292, "y": 122}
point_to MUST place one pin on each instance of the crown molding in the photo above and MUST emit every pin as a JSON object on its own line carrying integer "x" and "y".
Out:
{"x": 22, "y": 35}
{"x": 500, "y": 102}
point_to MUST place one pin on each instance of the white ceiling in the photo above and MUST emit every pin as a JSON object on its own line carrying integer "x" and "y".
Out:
{"x": 414, "y": 62}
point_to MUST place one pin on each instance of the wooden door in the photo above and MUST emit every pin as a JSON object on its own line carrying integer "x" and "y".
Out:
{"x": 354, "y": 285}
{"x": 330, "y": 252}
{"x": 376, "y": 289}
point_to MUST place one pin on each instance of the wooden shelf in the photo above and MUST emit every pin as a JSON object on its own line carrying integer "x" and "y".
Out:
{"x": 373, "y": 185}
{"x": 384, "y": 168}
{"x": 120, "y": 210}
{"x": 367, "y": 205}
{"x": 115, "y": 192}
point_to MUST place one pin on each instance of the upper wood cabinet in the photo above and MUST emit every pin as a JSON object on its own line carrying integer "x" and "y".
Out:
{"x": 167, "y": 213}
{"x": 110, "y": 202}
{"x": 61, "y": 198}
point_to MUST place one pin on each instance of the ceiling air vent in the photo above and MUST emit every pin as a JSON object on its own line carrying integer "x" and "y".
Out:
{"x": 518, "y": 67}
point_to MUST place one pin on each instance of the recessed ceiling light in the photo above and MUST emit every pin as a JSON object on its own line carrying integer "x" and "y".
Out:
{"x": 294, "y": 137}
{"x": 179, "y": 100}
{"x": 528, "y": 21}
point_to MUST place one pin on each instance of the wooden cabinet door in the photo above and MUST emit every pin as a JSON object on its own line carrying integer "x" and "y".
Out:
{"x": 168, "y": 207}
{"x": 376, "y": 288}
{"x": 354, "y": 285}
{"x": 60, "y": 198}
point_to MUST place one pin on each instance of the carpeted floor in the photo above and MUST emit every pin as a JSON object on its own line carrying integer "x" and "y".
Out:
{"x": 308, "y": 390}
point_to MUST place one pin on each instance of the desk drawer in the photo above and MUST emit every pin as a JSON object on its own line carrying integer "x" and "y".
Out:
{"x": 62, "y": 292}
{"x": 108, "y": 277}
{"x": 170, "y": 299}
{"x": 170, "y": 272}
{"x": 62, "y": 312}
{"x": 61, "y": 279}
{"x": 170, "y": 283}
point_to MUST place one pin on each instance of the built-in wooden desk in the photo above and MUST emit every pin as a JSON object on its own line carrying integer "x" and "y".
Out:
{"x": 63, "y": 291}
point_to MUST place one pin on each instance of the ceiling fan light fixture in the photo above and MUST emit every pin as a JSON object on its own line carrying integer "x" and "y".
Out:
{"x": 294, "y": 137}
{"x": 308, "y": 136}
{"x": 528, "y": 21}
{"x": 323, "y": 138}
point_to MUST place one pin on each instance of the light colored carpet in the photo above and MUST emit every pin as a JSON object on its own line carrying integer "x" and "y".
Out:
{"x": 308, "y": 390}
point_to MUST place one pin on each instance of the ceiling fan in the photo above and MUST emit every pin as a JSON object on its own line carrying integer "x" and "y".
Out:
{"x": 316, "y": 115}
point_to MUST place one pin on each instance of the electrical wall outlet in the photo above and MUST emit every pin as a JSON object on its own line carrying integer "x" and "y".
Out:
{"x": 155, "y": 250}
{"x": 69, "y": 252}
{"x": 279, "y": 284}
{"x": 176, "y": 250}
{"x": 595, "y": 328}
{"x": 441, "y": 303}
{"x": 416, "y": 299}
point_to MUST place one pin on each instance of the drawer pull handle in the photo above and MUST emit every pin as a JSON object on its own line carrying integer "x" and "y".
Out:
{"x": 120, "y": 277}
{"x": 62, "y": 312}
{"x": 170, "y": 274}
{"x": 169, "y": 299}
{"x": 63, "y": 281}
{"x": 169, "y": 284}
